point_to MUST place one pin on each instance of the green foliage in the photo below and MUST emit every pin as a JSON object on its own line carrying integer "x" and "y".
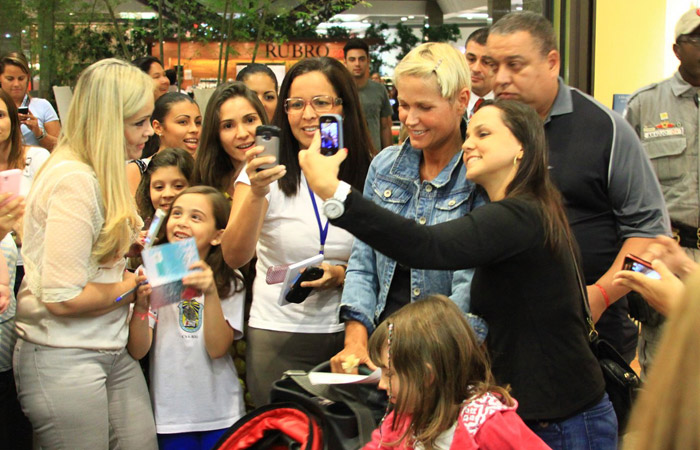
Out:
{"x": 377, "y": 51}
{"x": 405, "y": 40}
{"x": 79, "y": 47}
{"x": 337, "y": 33}
{"x": 441, "y": 33}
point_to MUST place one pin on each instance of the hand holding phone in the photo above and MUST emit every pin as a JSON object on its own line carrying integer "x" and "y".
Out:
{"x": 660, "y": 288}
{"x": 637, "y": 264}
{"x": 10, "y": 182}
{"x": 298, "y": 294}
{"x": 331, "y": 134}
{"x": 268, "y": 136}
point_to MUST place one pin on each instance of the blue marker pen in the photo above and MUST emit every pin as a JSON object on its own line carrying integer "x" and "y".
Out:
{"x": 130, "y": 291}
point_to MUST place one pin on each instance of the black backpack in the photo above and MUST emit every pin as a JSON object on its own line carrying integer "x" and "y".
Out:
{"x": 347, "y": 413}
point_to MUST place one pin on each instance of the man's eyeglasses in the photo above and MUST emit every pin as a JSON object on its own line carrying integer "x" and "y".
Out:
{"x": 320, "y": 103}
{"x": 693, "y": 39}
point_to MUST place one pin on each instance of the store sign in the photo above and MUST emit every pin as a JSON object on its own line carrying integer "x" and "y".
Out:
{"x": 201, "y": 60}
{"x": 296, "y": 50}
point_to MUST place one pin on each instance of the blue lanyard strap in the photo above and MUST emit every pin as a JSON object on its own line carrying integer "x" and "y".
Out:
{"x": 322, "y": 230}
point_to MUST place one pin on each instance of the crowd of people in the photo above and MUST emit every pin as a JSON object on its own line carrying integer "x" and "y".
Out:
{"x": 450, "y": 261}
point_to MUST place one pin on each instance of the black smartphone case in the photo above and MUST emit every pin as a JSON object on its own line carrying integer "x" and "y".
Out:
{"x": 298, "y": 294}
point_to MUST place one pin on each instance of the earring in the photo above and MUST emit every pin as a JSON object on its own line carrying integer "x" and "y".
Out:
{"x": 515, "y": 160}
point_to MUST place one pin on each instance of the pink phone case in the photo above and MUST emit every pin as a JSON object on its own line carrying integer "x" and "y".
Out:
{"x": 276, "y": 274}
{"x": 9, "y": 182}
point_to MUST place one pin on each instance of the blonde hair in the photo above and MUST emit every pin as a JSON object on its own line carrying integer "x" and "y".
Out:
{"x": 439, "y": 364}
{"x": 443, "y": 61}
{"x": 665, "y": 415}
{"x": 107, "y": 93}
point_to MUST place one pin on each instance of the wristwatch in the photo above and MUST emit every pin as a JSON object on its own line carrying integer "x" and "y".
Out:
{"x": 334, "y": 207}
{"x": 42, "y": 135}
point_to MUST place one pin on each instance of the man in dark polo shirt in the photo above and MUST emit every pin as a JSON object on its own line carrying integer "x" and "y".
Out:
{"x": 611, "y": 195}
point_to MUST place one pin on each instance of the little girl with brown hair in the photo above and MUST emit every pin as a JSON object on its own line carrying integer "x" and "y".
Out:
{"x": 440, "y": 385}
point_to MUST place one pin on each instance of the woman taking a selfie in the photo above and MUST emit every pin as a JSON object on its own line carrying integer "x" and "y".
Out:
{"x": 75, "y": 380}
{"x": 274, "y": 216}
{"x": 525, "y": 284}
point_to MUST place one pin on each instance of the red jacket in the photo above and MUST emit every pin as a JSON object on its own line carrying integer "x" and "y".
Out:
{"x": 484, "y": 423}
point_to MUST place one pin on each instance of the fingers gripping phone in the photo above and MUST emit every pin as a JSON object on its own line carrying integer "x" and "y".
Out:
{"x": 269, "y": 137}
{"x": 298, "y": 294}
{"x": 331, "y": 134}
{"x": 637, "y": 264}
{"x": 9, "y": 183}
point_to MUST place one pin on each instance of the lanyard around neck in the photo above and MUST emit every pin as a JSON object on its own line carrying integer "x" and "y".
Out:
{"x": 322, "y": 230}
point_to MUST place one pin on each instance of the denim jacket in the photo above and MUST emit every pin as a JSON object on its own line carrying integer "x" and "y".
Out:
{"x": 393, "y": 181}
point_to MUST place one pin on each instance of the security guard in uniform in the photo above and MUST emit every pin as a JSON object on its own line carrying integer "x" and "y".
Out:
{"x": 666, "y": 117}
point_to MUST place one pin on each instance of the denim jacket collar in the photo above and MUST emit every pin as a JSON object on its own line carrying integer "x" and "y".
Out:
{"x": 407, "y": 166}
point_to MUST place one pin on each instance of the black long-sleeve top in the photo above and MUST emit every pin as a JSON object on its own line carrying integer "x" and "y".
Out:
{"x": 527, "y": 293}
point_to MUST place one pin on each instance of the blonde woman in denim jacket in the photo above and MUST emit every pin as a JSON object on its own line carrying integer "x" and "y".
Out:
{"x": 422, "y": 179}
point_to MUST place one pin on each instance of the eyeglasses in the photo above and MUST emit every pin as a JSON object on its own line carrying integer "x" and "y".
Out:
{"x": 320, "y": 103}
{"x": 693, "y": 39}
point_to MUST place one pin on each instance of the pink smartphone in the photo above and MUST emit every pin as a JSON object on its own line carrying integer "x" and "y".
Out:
{"x": 9, "y": 182}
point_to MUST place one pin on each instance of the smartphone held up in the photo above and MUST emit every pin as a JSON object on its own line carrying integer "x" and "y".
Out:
{"x": 10, "y": 181}
{"x": 268, "y": 136}
{"x": 331, "y": 134}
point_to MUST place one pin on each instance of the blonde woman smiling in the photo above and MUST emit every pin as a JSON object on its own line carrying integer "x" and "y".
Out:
{"x": 75, "y": 381}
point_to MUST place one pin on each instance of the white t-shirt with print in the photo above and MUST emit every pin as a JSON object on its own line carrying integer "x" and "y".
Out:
{"x": 190, "y": 391}
{"x": 290, "y": 234}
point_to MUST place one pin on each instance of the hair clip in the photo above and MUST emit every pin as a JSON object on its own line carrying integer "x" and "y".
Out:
{"x": 388, "y": 343}
{"x": 437, "y": 65}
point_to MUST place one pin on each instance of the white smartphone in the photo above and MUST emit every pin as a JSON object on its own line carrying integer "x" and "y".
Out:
{"x": 153, "y": 229}
{"x": 269, "y": 137}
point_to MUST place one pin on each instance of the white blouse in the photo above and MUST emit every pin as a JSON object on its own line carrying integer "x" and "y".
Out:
{"x": 63, "y": 219}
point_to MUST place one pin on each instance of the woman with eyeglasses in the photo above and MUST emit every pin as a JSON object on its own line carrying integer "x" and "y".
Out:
{"x": 275, "y": 215}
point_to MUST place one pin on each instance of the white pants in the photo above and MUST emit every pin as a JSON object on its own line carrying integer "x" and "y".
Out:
{"x": 83, "y": 399}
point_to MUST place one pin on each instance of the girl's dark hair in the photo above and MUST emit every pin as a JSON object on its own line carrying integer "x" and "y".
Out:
{"x": 224, "y": 275}
{"x": 162, "y": 107}
{"x": 213, "y": 166}
{"x": 14, "y": 158}
{"x": 167, "y": 157}
{"x": 253, "y": 68}
{"x": 439, "y": 364}
{"x": 145, "y": 62}
{"x": 356, "y": 135}
{"x": 532, "y": 177}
